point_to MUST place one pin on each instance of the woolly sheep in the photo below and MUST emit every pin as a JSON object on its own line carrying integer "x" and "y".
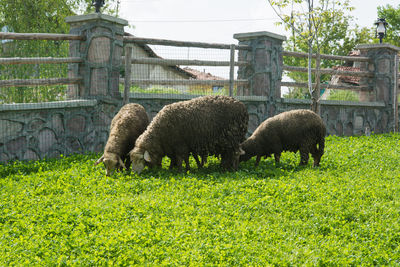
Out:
{"x": 296, "y": 130}
{"x": 126, "y": 126}
{"x": 209, "y": 125}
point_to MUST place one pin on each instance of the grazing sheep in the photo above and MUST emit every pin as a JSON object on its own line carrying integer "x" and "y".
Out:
{"x": 294, "y": 130}
{"x": 126, "y": 126}
{"x": 209, "y": 125}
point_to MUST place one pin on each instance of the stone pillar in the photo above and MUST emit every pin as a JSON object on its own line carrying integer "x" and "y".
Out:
{"x": 384, "y": 82}
{"x": 101, "y": 52}
{"x": 383, "y": 66}
{"x": 265, "y": 71}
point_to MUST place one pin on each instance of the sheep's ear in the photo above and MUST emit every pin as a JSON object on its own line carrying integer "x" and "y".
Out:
{"x": 100, "y": 160}
{"x": 121, "y": 163}
{"x": 241, "y": 151}
{"x": 146, "y": 156}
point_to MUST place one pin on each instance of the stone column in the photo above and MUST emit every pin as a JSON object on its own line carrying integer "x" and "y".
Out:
{"x": 383, "y": 66}
{"x": 384, "y": 82}
{"x": 101, "y": 52}
{"x": 265, "y": 71}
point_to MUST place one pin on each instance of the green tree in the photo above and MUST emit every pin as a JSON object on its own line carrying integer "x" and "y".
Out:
{"x": 392, "y": 16}
{"x": 45, "y": 15}
{"x": 323, "y": 27}
{"x": 39, "y": 16}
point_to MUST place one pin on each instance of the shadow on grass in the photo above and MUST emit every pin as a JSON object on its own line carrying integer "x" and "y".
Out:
{"x": 267, "y": 169}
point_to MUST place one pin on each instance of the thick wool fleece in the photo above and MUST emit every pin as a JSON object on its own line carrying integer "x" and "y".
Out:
{"x": 295, "y": 130}
{"x": 214, "y": 125}
{"x": 130, "y": 122}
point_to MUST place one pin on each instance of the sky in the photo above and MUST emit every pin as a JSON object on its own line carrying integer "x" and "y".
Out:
{"x": 217, "y": 20}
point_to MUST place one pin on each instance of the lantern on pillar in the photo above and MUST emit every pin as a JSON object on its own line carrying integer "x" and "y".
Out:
{"x": 98, "y": 4}
{"x": 380, "y": 29}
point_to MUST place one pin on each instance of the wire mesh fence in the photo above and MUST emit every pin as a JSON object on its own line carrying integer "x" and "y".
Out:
{"x": 171, "y": 70}
{"x": 25, "y": 75}
{"x": 341, "y": 78}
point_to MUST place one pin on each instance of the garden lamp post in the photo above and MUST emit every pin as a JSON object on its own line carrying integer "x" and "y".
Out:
{"x": 98, "y": 4}
{"x": 380, "y": 29}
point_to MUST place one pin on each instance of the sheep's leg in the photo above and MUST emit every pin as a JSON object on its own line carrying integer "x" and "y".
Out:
{"x": 223, "y": 162}
{"x": 226, "y": 161}
{"x": 257, "y": 160}
{"x": 318, "y": 151}
{"x": 179, "y": 163}
{"x": 304, "y": 157}
{"x": 277, "y": 157}
{"x": 316, "y": 156}
{"x": 317, "y": 159}
{"x": 173, "y": 163}
{"x": 198, "y": 162}
{"x": 203, "y": 160}
{"x": 128, "y": 163}
{"x": 187, "y": 163}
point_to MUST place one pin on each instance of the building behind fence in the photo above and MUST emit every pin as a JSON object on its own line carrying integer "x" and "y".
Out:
{"x": 107, "y": 68}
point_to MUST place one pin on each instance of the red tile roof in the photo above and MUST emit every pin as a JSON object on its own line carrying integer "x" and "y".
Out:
{"x": 202, "y": 75}
{"x": 347, "y": 79}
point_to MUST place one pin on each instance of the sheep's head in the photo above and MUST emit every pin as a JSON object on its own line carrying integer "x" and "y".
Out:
{"x": 231, "y": 161}
{"x": 142, "y": 159}
{"x": 138, "y": 160}
{"x": 111, "y": 161}
{"x": 236, "y": 158}
{"x": 244, "y": 154}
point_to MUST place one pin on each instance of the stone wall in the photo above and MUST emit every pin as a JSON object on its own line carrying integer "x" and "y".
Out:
{"x": 47, "y": 130}
{"x": 347, "y": 118}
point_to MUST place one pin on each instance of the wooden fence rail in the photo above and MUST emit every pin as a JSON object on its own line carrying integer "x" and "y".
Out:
{"x": 131, "y": 39}
{"x": 183, "y": 82}
{"x": 330, "y": 71}
{"x": 38, "y": 82}
{"x": 193, "y": 62}
{"x": 329, "y": 86}
{"x": 324, "y": 56}
{"x": 40, "y": 36}
{"x": 39, "y": 60}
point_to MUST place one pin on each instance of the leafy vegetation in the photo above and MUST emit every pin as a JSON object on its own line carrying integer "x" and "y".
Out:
{"x": 39, "y": 16}
{"x": 170, "y": 90}
{"x": 392, "y": 16}
{"x": 67, "y": 212}
{"x": 344, "y": 95}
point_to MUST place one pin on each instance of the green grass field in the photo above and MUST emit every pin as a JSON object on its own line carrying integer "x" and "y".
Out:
{"x": 347, "y": 212}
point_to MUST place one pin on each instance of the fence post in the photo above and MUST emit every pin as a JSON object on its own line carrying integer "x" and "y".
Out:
{"x": 128, "y": 73}
{"x": 101, "y": 53}
{"x": 265, "y": 56}
{"x": 232, "y": 70}
{"x": 384, "y": 65}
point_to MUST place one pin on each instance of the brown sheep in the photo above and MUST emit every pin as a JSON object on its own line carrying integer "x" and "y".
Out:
{"x": 130, "y": 122}
{"x": 296, "y": 130}
{"x": 209, "y": 125}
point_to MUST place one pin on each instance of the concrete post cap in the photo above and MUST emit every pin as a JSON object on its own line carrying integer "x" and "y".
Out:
{"x": 95, "y": 17}
{"x": 256, "y": 35}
